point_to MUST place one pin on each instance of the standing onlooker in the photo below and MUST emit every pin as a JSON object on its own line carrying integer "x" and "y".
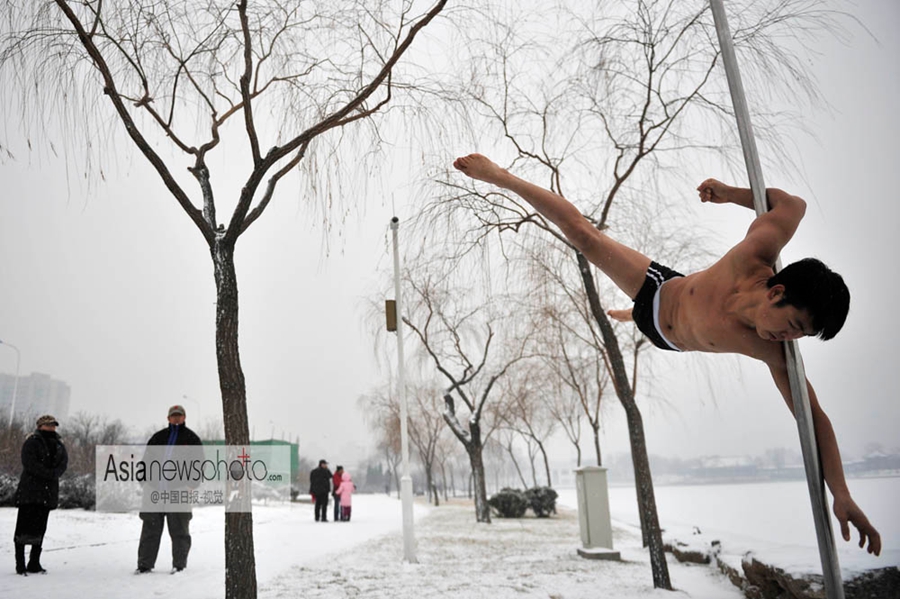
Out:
{"x": 345, "y": 491}
{"x": 335, "y": 483}
{"x": 44, "y": 460}
{"x": 178, "y": 523}
{"x": 319, "y": 488}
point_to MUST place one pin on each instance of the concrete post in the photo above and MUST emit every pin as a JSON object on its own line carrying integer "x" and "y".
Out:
{"x": 593, "y": 513}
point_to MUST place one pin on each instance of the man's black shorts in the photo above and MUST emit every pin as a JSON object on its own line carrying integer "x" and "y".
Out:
{"x": 645, "y": 314}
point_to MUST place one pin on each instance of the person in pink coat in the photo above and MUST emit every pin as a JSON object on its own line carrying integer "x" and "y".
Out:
{"x": 345, "y": 492}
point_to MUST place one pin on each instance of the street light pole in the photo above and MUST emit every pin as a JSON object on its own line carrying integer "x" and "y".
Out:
{"x": 406, "y": 495}
{"x": 12, "y": 406}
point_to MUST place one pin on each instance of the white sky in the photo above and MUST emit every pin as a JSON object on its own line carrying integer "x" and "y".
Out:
{"x": 110, "y": 289}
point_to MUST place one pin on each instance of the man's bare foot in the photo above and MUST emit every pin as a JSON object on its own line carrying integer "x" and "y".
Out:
{"x": 479, "y": 167}
{"x": 621, "y": 315}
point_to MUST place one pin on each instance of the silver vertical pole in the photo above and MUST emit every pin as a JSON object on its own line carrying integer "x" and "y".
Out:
{"x": 406, "y": 495}
{"x": 831, "y": 569}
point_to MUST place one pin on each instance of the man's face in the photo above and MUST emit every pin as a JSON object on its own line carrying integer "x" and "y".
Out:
{"x": 782, "y": 323}
{"x": 47, "y": 427}
{"x": 176, "y": 419}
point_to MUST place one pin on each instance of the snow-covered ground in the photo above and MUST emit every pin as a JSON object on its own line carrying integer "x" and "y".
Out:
{"x": 93, "y": 555}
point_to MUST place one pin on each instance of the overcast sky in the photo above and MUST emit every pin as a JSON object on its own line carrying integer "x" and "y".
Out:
{"x": 110, "y": 289}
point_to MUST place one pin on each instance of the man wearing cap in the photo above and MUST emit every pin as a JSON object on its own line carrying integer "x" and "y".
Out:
{"x": 44, "y": 460}
{"x": 178, "y": 522}
{"x": 319, "y": 488}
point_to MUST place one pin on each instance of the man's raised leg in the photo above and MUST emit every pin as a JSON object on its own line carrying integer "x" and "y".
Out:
{"x": 625, "y": 266}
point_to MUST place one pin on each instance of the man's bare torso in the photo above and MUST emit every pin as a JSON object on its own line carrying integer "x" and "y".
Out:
{"x": 702, "y": 311}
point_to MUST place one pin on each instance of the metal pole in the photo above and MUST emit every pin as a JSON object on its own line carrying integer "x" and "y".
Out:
{"x": 12, "y": 406}
{"x": 831, "y": 569}
{"x": 406, "y": 494}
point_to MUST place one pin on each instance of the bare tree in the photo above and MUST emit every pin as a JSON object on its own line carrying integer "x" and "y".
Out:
{"x": 426, "y": 425}
{"x": 606, "y": 115}
{"x": 506, "y": 438}
{"x": 84, "y": 431}
{"x": 459, "y": 336}
{"x": 185, "y": 79}
{"x": 382, "y": 415}
{"x": 526, "y": 413}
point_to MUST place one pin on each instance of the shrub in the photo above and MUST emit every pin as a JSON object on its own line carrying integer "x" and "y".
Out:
{"x": 77, "y": 492}
{"x": 542, "y": 501}
{"x": 509, "y": 503}
{"x": 8, "y": 486}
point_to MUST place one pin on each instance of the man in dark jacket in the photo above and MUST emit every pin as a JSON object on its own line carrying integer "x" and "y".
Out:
{"x": 44, "y": 460}
{"x": 177, "y": 433}
{"x": 319, "y": 487}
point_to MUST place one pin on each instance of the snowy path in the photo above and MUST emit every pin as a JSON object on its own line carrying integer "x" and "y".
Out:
{"x": 95, "y": 554}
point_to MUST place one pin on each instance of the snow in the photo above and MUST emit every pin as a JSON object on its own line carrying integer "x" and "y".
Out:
{"x": 93, "y": 554}
{"x": 771, "y": 520}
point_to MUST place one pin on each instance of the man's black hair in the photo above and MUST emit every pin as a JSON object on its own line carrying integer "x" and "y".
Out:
{"x": 810, "y": 285}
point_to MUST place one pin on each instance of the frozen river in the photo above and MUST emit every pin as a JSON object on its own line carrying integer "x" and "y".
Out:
{"x": 767, "y": 518}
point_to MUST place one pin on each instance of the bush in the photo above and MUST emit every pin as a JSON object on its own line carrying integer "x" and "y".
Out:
{"x": 542, "y": 501}
{"x": 8, "y": 486}
{"x": 74, "y": 491}
{"x": 77, "y": 492}
{"x": 509, "y": 503}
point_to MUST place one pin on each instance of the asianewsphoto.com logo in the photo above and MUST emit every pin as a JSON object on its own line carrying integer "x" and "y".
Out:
{"x": 195, "y": 468}
{"x": 161, "y": 478}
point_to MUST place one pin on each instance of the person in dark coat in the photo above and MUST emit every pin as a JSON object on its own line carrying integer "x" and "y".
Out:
{"x": 44, "y": 460}
{"x": 319, "y": 488}
{"x": 335, "y": 483}
{"x": 178, "y": 523}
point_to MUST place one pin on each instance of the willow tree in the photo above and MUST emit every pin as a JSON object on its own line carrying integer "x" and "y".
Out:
{"x": 187, "y": 80}
{"x": 472, "y": 343}
{"x": 616, "y": 98}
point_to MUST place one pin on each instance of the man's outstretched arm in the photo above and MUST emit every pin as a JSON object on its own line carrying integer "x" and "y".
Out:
{"x": 771, "y": 231}
{"x": 845, "y": 509}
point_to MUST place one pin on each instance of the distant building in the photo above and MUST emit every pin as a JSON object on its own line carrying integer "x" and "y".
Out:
{"x": 724, "y": 468}
{"x": 37, "y": 394}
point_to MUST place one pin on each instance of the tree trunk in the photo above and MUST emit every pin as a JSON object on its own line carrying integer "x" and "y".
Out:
{"x": 482, "y": 509}
{"x": 432, "y": 497}
{"x": 596, "y": 428}
{"x": 240, "y": 563}
{"x": 546, "y": 463}
{"x": 516, "y": 464}
{"x": 531, "y": 456}
{"x": 452, "y": 480}
{"x": 641, "y": 463}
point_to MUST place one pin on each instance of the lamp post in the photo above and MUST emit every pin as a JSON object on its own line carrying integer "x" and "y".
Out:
{"x": 12, "y": 405}
{"x": 406, "y": 496}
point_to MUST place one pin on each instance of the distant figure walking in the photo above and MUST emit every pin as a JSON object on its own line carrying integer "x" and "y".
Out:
{"x": 319, "y": 488}
{"x": 335, "y": 483}
{"x": 44, "y": 460}
{"x": 345, "y": 492}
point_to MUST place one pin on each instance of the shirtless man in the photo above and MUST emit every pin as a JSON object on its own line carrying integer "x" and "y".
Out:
{"x": 738, "y": 305}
